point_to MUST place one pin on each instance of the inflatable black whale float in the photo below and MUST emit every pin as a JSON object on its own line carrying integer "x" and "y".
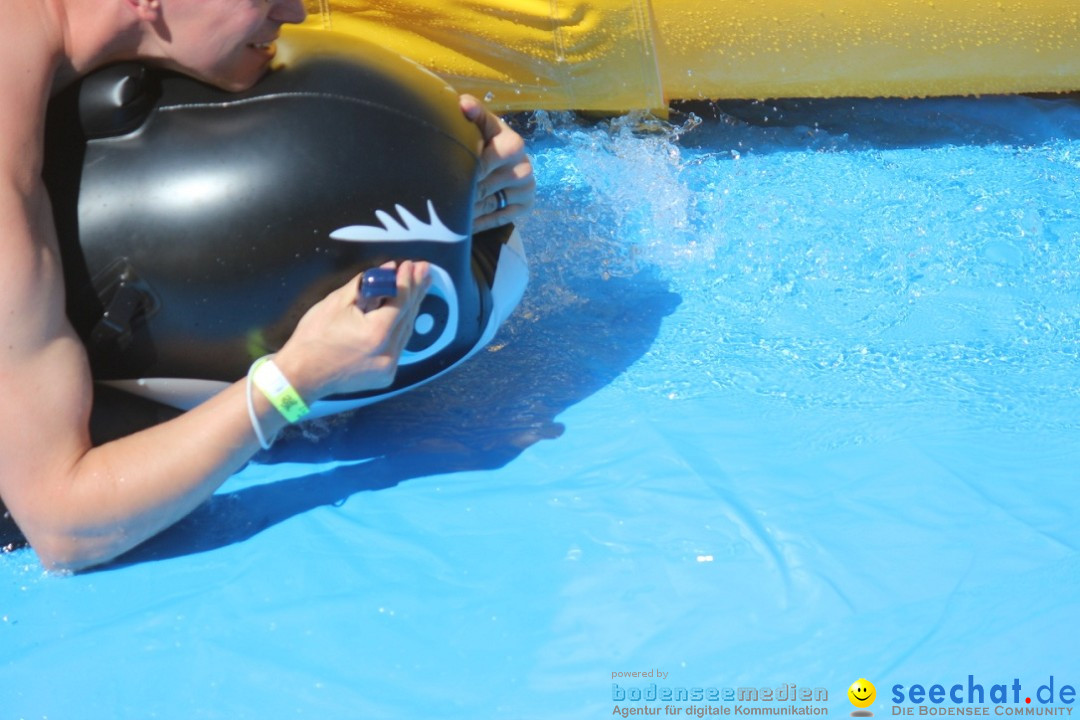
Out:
{"x": 197, "y": 225}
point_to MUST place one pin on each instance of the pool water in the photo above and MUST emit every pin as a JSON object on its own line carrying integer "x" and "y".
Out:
{"x": 793, "y": 397}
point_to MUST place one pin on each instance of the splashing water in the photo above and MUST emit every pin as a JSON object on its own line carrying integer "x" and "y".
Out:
{"x": 905, "y": 257}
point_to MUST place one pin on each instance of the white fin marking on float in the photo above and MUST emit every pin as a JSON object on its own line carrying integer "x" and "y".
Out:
{"x": 392, "y": 230}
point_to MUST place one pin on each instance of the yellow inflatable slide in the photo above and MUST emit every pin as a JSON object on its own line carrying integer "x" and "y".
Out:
{"x": 615, "y": 55}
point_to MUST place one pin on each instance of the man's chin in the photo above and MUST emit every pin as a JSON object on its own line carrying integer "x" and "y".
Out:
{"x": 246, "y": 69}
{"x": 240, "y": 85}
{"x": 238, "y": 81}
{"x": 235, "y": 79}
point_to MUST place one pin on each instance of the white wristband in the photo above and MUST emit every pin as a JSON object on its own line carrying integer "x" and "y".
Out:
{"x": 259, "y": 435}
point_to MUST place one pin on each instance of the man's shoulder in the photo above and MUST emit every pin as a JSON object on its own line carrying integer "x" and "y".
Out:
{"x": 28, "y": 59}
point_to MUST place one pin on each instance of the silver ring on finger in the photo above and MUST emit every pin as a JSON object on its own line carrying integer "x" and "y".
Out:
{"x": 500, "y": 200}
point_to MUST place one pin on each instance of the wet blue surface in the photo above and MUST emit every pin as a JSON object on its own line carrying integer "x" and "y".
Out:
{"x": 792, "y": 398}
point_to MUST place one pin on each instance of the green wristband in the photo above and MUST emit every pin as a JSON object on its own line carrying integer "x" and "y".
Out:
{"x": 272, "y": 383}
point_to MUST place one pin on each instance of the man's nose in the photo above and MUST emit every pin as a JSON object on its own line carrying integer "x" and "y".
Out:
{"x": 288, "y": 11}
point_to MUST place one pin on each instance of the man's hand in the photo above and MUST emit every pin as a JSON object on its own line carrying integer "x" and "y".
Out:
{"x": 506, "y": 189}
{"x": 347, "y": 344}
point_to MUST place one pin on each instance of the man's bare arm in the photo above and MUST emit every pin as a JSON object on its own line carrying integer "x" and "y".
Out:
{"x": 79, "y": 505}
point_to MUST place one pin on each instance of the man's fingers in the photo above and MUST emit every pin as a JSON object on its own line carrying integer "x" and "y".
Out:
{"x": 509, "y": 177}
{"x": 488, "y": 123}
{"x": 413, "y": 281}
{"x": 406, "y": 321}
{"x": 391, "y": 311}
{"x": 501, "y": 145}
{"x": 489, "y": 213}
{"x": 503, "y": 149}
{"x": 506, "y": 185}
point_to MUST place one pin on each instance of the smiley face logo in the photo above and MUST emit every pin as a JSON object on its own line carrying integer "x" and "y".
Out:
{"x": 862, "y": 694}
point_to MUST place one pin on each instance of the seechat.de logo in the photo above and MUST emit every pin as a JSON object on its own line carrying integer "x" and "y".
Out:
{"x": 862, "y": 694}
